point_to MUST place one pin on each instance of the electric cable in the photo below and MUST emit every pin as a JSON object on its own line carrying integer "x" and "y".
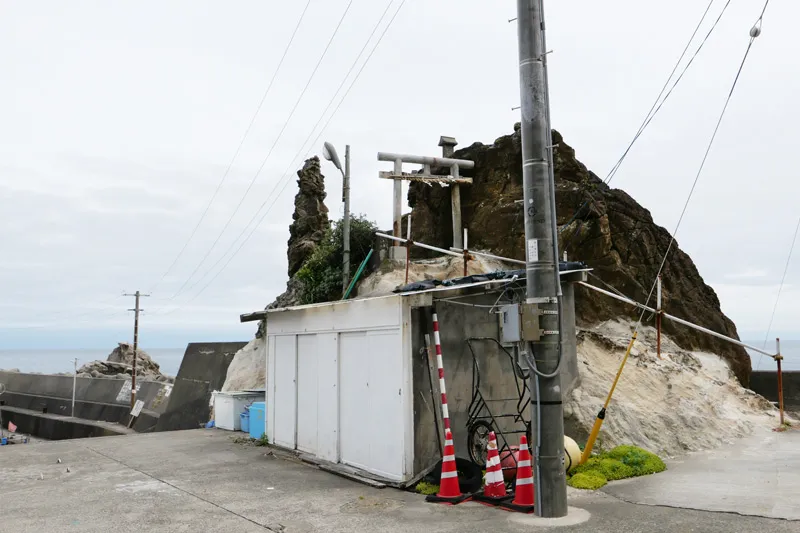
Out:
{"x": 238, "y": 149}
{"x": 780, "y": 289}
{"x": 275, "y": 197}
{"x": 659, "y": 103}
{"x": 272, "y": 148}
{"x": 755, "y": 31}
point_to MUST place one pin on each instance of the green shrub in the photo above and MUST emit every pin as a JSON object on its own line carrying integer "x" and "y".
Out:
{"x": 620, "y": 463}
{"x": 321, "y": 275}
{"x": 640, "y": 461}
{"x": 611, "y": 469}
{"x": 591, "y": 480}
{"x": 423, "y": 487}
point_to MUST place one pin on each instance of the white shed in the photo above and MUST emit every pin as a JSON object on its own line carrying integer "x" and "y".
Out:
{"x": 339, "y": 383}
{"x": 352, "y": 382}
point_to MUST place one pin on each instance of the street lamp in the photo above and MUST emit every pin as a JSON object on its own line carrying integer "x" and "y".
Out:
{"x": 329, "y": 153}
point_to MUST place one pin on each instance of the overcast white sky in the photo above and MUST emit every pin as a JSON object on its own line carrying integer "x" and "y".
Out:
{"x": 118, "y": 119}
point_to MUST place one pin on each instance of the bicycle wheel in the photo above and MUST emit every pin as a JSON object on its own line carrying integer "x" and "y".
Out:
{"x": 478, "y": 441}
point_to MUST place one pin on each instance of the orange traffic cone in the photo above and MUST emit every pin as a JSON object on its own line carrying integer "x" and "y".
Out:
{"x": 494, "y": 491}
{"x": 523, "y": 493}
{"x": 449, "y": 490}
{"x": 495, "y": 485}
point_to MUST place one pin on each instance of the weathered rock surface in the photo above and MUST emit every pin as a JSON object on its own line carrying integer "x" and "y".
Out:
{"x": 119, "y": 365}
{"x": 613, "y": 234}
{"x": 144, "y": 363}
{"x": 310, "y": 215}
{"x": 310, "y": 222}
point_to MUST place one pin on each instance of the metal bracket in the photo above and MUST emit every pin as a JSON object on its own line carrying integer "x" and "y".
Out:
{"x": 529, "y": 322}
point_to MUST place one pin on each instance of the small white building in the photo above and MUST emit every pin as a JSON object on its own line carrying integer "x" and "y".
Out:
{"x": 348, "y": 382}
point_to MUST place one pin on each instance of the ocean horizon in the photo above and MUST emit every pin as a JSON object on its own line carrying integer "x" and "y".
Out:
{"x": 169, "y": 359}
{"x": 59, "y": 361}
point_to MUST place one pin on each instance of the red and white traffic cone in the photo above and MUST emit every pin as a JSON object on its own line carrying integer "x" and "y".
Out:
{"x": 494, "y": 490}
{"x": 523, "y": 492}
{"x": 495, "y": 485}
{"x": 449, "y": 490}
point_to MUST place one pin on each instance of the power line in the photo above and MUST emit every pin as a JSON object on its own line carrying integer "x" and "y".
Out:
{"x": 755, "y": 31}
{"x": 66, "y": 312}
{"x": 780, "y": 289}
{"x": 238, "y": 148}
{"x": 292, "y": 163}
{"x": 653, "y": 113}
{"x": 286, "y": 182}
{"x": 659, "y": 102}
{"x": 272, "y": 148}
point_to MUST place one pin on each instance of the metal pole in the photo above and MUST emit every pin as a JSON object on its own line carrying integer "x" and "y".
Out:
{"x": 408, "y": 252}
{"x": 135, "y": 347}
{"x": 658, "y": 316}
{"x": 346, "y": 221}
{"x": 676, "y": 319}
{"x": 466, "y": 254}
{"x": 74, "y": 382}
{"x": 778, "y": 359}
{"x": 541, "y": 267}
{"x": 397, "y": 207}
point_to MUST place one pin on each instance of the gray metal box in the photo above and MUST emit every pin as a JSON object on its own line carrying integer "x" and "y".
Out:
{"x": 509, "y": 324}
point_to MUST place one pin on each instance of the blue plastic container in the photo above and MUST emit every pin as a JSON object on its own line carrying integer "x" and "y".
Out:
{"x": 245, "y": 421}
{"x": 258, "y": 415}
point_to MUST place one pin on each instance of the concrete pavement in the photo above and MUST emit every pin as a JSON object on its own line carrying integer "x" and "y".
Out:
{"x": 201, "y": 480}
{"x": 756, "y": 476}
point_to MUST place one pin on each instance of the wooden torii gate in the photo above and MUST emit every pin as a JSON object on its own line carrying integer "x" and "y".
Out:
{"x": 454, "y": 180}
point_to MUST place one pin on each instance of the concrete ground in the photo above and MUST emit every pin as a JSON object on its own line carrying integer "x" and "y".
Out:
{"x": 756, "y": 476}
{"x": 201, "y": 480}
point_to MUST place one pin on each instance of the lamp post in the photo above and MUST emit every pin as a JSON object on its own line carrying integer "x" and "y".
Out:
{"x": 329, "y": 152}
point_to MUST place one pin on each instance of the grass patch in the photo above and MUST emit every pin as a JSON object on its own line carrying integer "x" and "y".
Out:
{"x": 423, "y": 487}
{"x": 611, "y": 469}
{"x": 620, "y": 463}
{"x": 641, "y": 461}
{"x": 262, "y": 440}
{"x": 587, "y": 480}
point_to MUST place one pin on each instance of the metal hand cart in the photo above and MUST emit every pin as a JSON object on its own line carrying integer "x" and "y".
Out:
{"x": 482, "y": 412}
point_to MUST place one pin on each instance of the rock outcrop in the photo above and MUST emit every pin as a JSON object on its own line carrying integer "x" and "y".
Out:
{"x": 602, "y": 226}
{"x": 310, "y": 215}
{"x": 310, "y": 222}
{"x": 119, "y": 365}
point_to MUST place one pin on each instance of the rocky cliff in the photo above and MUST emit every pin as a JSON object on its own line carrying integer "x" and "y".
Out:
{"x": 309, "y": 223}
{"x": 310, "y": 215}
{"x": 612, "y": 233}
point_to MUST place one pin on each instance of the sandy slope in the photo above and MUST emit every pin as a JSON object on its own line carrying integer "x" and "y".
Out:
{"x": 685, "y": 401}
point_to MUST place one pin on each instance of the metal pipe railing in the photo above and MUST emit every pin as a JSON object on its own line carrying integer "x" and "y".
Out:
{"x": 676, "y": 319}
{"x": 484, "y": 254}
{"x": 421, "y": 245}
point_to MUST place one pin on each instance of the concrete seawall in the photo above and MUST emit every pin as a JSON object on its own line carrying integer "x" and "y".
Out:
{"x": 41, "y": 404}
{"x": 766, "y": 384}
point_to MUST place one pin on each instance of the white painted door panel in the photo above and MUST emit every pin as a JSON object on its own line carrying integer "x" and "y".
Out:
{"x": 371, "y": 416}
{"x": 285, "y": 391}
{"x": 307, "y": 392}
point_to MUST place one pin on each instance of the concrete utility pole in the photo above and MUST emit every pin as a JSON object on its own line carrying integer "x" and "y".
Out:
{"x": 136, "y": 310}
{"x": 542, "y": 280}
{"x": 74, "y": 383}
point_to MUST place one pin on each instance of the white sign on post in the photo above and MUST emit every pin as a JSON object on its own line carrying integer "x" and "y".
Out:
{"x": 137, "y": 408}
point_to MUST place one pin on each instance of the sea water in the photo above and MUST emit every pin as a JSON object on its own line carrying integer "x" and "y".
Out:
{"x": 57, "y": 361}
